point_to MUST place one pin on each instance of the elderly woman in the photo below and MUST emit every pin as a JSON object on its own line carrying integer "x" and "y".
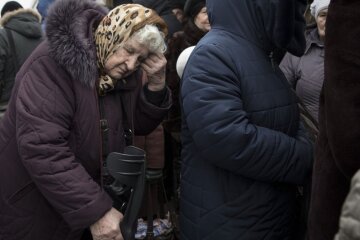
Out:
{"x": 93, "y": 66}
{"x": 306, "y": 73}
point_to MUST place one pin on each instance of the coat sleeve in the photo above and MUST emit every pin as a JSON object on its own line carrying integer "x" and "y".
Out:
{"x": 44, "y": 114}
{"x": 222, "y": 133}
{"x": 148, "y": 116}
{"x": 341, "y": 90}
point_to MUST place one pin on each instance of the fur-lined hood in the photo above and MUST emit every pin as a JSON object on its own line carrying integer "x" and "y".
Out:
{"x": 70, "y": 26}
{"x": 26, "y": 22}
{"x": 9, "y": 15}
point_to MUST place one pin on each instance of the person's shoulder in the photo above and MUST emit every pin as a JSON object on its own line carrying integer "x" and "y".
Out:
{"x": 2, "y": 31}
{"x": 3, "y": 36}
{"x": 176, "y": 40}
{"x": 21, "y": 16}
{"x": 40, "y": 56}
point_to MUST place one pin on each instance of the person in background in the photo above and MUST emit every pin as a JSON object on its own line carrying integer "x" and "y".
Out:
{"x": 116, "y": 3}
{"x": 195, "y": 28}
{"x": 74, "y": 101}
{"x": 42, "y": 7}
{"x": 306, "y": 73}
{"x": 9, "y": 7}
{"x": 349, "y": 221}
{"x": 337, "y": 149}
{"x": 177, "y": 7}
{"x": 20, "y": 34}
{"x": 163, "y": 8}
{"x": 196, "y": 14}
{"x": 309, "y": 18}
{"x": 244, "y": 148}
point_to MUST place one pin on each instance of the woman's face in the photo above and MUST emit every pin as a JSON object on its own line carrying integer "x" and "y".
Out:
{"x": 201, "y": 20}
{"x": 126, "y": 59}
{"x": 320, "y": 22}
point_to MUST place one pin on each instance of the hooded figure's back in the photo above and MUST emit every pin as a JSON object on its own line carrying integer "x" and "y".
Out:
{"x": 244, "y": 151}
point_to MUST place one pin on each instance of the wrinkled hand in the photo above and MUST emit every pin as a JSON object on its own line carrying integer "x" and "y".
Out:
{"x": 155, "y": 67}
{"x": 107, "y": 227}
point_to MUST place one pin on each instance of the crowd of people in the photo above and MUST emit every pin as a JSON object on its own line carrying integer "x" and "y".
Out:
{"x": 213, "y": 92}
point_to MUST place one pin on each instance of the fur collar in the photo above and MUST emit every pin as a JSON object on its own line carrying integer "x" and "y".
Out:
{"x": 70, "y": 26}
{"x": 9, "y": 15}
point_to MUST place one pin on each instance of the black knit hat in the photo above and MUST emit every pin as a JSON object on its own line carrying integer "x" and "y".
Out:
{"x": 193, "y": 7}
{"x": 9, "y": 7}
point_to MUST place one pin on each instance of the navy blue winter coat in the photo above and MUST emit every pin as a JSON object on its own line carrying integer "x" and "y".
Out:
{"x": 244, "y": 149}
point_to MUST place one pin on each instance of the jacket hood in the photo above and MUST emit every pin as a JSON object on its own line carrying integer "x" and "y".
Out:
{"x": 70, "y": 28}
{"x": 26, "y": 22}
{"x": 268, "y": 24}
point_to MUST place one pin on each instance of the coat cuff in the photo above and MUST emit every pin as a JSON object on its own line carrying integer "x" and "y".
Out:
{"x": 90, "y": 213}
{"x": 155, "y": 97}
{"x": 161, "y": 108}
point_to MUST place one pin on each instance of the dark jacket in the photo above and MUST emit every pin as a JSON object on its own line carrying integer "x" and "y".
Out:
{"x": 26, "y": 31}
{"x": 50, "y": 140}
{"x": 244, "y": 150}
{"x": 337, "y": 149}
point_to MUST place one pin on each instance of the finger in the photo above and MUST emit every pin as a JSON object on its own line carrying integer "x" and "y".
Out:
{"x": 152, "y": 58}
{"x": 146, "y": 67}
{"x": 151, "y": 68}
{"x": 156, "y": 57}
{"x": 154, "y": 67}
{"x": 150, "y": 62}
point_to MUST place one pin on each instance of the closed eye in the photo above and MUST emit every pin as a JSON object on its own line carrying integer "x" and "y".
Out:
{"x": 129, "y": 50}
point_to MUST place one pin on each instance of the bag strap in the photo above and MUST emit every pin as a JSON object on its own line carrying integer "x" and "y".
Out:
{"x": 13, "y": 53}
{"x": 12, "y": 48}
{"x": 128, "y": 132}
{"x": 306, "y": 111}
{"x": 127, "y": 126}
{"x": 104, "y": 128}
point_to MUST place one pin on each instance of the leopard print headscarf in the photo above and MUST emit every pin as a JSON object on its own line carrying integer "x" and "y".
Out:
{"x": 117, "y": 27}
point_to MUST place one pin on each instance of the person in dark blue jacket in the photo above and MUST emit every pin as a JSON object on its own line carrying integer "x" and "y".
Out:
{"x": 245, "y": 150}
